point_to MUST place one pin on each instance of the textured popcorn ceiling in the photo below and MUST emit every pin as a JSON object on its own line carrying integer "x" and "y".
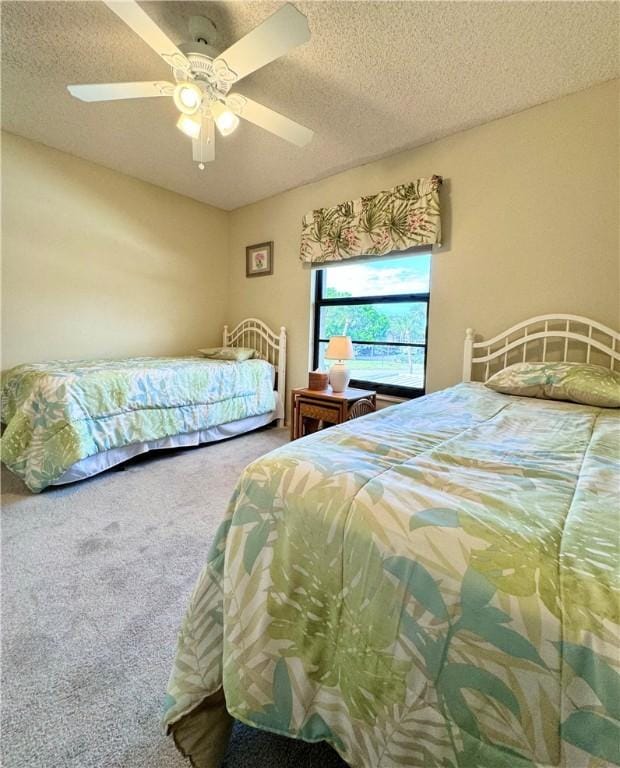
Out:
{"x": 375, "y": 78}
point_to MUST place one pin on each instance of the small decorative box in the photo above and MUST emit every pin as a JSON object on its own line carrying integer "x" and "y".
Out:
{"x": 318, "y": 380}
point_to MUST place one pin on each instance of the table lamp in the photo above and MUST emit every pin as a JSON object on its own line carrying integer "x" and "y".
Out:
{"x": 339, "y": 349}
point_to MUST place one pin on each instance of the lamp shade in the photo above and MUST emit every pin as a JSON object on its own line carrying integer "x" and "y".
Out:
{"x": 225, "y": 119}
{"x": 189, "y": 125}
{"x": 339, "y": 348}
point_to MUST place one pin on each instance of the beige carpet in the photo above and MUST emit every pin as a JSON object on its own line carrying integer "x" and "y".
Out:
{"x": 96, "y": 577}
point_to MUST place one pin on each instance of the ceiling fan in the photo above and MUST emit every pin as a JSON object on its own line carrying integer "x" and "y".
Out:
{"x": 204, "y": 76}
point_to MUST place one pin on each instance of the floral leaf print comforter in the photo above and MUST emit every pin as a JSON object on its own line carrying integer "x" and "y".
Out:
{"x": 433, "y": 585}
{"x": 58, "y": 413}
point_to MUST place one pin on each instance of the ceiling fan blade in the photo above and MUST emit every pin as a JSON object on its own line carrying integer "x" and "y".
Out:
{"x": 144, "y": 26}
{"x": 285, "y": 29}
{"x": 270, "y": 120}
{"x": 203, "y": 148}
{"x": 111, "y": 91}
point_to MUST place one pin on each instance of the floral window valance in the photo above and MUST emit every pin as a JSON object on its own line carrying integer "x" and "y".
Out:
{"x": 394, "y": 220}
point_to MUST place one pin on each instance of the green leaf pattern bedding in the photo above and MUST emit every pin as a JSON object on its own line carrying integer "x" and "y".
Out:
{"x": 435, "y": 585}
{"x": 58, "y": 413}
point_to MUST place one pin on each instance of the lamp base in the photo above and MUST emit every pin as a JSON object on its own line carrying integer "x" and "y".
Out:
{"x": 339, "y": 377}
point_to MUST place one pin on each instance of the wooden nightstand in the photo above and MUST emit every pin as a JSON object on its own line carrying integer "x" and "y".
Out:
{"x": 312, "y": 410}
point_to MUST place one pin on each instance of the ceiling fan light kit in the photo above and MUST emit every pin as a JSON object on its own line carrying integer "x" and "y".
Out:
{"x": 189, "y": 126}
{"x": 187, "y": 98}
{"x": 225, "y": 119}
{"x": 204, "y": 76}
{"x": 227, "y": 122}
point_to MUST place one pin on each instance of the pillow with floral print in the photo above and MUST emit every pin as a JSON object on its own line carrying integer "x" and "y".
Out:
{"x": 576, "y": 382}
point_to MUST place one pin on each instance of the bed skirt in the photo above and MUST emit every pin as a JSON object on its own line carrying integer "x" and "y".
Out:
{"x": 93, "y": 465}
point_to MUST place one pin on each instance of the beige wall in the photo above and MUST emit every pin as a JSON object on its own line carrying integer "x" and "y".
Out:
{"x": 96, "y": 263}
{"x": 530, "y": 220}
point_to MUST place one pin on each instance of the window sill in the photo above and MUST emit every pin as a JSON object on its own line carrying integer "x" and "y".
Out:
{"x": 392, "y": 399}
{"x": 389, "y": 392}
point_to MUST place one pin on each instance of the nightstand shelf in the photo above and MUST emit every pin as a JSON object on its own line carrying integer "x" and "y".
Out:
{"x": 312, "y": 410}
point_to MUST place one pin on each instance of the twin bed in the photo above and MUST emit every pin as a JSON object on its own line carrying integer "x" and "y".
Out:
{"x": 68, "y": 420}
{"x": 434, "y": 585}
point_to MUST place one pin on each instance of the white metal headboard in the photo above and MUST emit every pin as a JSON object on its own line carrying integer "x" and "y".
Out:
{"x": 270, "y": 346}
{"x": 559, "y": 338}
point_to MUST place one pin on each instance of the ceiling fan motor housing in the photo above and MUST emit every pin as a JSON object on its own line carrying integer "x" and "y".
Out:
{"x": 199, "y": 50}
{"x": 201, "y": 56}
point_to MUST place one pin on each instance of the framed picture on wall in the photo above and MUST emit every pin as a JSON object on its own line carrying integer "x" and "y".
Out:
{"x": 259, "y": 260}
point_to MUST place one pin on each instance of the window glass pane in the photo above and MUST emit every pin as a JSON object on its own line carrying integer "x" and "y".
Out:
{"x": 398, "y": 321}
{"x": 383, "y": 364}
{"x": 383, "y": 277}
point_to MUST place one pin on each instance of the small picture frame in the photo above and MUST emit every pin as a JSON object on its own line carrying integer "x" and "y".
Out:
{"x": 259, "y": 259}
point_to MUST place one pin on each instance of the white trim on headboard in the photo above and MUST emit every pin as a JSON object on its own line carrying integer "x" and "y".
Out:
{"x": 538, "y": 329}
{"x": 269, "y": 345}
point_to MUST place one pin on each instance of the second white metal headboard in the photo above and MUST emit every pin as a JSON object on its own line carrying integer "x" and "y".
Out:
{"x": 576, "y": 344}
{"x": 269, "y": 346}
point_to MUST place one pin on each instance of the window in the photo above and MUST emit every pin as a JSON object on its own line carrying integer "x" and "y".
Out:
{"x": 383, "y": 306}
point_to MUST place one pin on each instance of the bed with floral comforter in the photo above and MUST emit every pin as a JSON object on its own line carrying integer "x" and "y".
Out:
{"x": 434, "y": 585}
{"x": 58, "y": 413}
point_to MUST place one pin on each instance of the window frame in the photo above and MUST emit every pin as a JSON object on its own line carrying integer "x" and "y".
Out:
{"x": 391, "y": 390}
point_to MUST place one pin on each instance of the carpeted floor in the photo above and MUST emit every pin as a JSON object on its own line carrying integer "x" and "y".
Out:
{"x": 95, "y": 580}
